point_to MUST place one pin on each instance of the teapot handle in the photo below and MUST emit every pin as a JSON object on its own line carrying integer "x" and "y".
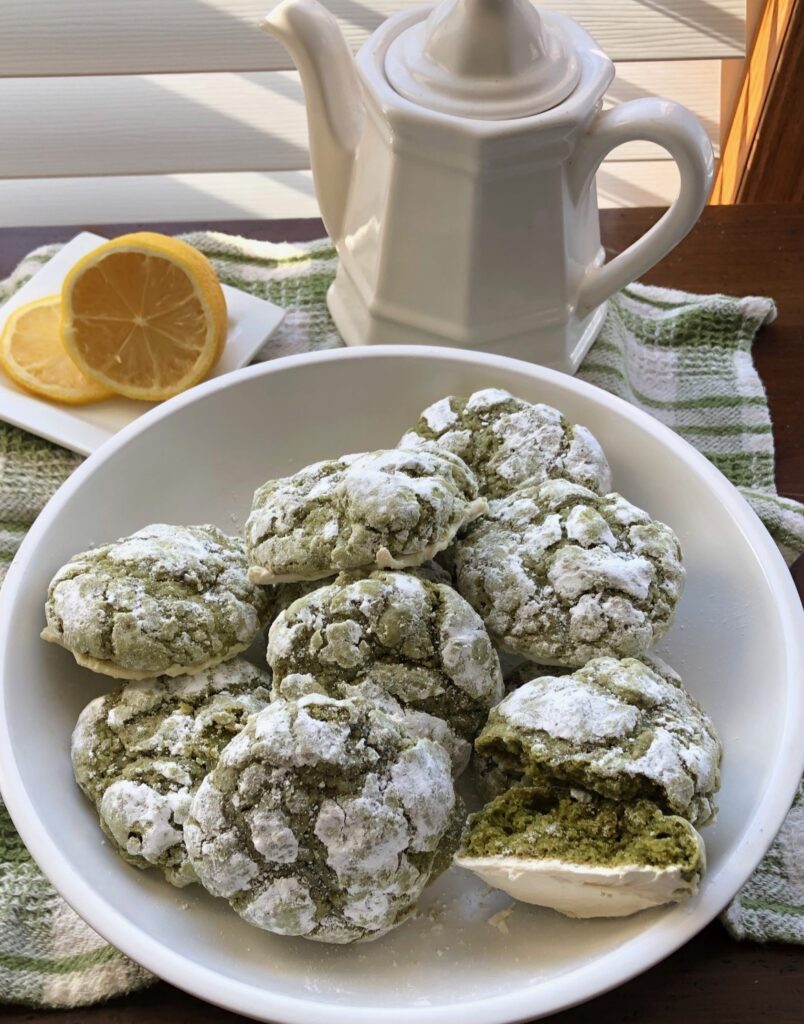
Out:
{"x": 678, "y": 131}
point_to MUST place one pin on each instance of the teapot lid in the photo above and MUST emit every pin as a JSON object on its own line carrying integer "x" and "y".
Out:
{"x": 485, "y": 59}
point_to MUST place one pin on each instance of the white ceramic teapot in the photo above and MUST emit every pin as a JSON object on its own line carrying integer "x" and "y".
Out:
{"x": 454, "y": 161}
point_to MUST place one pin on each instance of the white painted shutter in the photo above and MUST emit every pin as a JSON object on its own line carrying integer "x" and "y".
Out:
{"x": 182, "y": 109}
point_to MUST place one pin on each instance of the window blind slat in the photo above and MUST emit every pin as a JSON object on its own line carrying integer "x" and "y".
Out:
{"x": 105, "y": 37}
{"x": 209, "y": 197}
{"x": 160, "y": 124}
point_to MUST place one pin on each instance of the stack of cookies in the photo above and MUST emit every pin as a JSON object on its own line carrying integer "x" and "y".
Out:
{"x": 317, "y": 794}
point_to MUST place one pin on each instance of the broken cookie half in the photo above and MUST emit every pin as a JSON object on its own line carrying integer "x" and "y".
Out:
{"x": 581, "y": 854}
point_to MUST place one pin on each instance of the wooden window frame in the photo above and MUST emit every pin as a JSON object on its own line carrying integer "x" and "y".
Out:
{"x": 762, "y": 157}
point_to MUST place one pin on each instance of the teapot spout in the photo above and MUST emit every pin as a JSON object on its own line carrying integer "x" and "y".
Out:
{"x": 332, "y": 95}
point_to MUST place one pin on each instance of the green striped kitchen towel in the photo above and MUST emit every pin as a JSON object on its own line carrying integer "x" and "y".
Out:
{"x": 686, "y": 359}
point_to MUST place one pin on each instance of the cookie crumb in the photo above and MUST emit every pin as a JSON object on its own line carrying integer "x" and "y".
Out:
{"x": 499, "y": 919}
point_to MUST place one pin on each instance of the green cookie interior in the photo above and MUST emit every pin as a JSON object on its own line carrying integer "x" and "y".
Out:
{"x": 536, "y": 822}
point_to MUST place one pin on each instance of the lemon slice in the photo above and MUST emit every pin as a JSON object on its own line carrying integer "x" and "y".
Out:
{"x": 144, "y": 315}
{"x": 33, "y": 356}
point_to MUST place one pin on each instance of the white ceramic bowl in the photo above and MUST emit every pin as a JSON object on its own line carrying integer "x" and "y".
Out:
{"x": 737, "y": 642}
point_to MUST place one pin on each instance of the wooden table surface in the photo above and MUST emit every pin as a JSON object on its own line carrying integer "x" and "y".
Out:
{"x": 755, "y": 250}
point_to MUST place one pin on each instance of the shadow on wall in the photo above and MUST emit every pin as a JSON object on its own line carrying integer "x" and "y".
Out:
{"x": 657, "y": 184}
{"x": 707, "y": 18}
{"x": 622, "y": 90}
{"x": 151, "y": 198}
{"x": 69, "y": 37}
{"x": 153, "y": 124}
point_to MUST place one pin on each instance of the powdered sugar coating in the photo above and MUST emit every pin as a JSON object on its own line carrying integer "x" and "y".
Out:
{"x": 140, "y": 753}
{"x": 384, "y": 509}
{"x": 509, "y": 443}
{"x": 561, "y": 574}
{"x": 324, "y": 818}
{"x": 419, "y": 642}
{"x": 167, "y": 600}
{"x": 420, "y": 724}
{"x": 615, "y": 727}
{"x": 282, "y": 595}
{"x": 524, "y": 671}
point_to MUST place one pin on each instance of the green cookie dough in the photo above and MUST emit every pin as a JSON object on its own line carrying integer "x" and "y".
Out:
{"x": 562, "y": 575}
{"x": 325, "y": 819}
{"x": 509, "y": 443}
{"x": 386, "y": 509}
{"x": 614, "y": 727}
{"x": 168, "y": 600}
{"x": 140, "y": 753}
{"x": 489, "y": 778}
{"x": 558, "y": 823}
{"x": 420, "y": 642}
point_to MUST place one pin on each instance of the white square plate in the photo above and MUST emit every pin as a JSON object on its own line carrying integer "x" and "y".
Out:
{"x": 84, "y": 428}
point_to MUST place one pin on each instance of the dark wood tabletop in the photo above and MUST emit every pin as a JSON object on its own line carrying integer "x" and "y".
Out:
{"x": 737, "y": 250}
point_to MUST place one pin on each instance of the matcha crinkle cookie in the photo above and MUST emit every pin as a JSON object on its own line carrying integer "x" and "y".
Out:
{"x": 581, "y": 854}
{"x": 140, "y": 753}
{"x": 615, "y": 727}
{"x": 166, "y": 601}
{"x": 418, "y": 641}
{"x": 385, "y": 509}
{"x": 561, "y": 574}
{"x": 508, "y": 442}
{"x": 282, "y": 595}
{"x": 324, "y": 819}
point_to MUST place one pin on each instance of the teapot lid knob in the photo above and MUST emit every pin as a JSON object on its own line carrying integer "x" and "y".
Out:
{"x": 486, "y": 59}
